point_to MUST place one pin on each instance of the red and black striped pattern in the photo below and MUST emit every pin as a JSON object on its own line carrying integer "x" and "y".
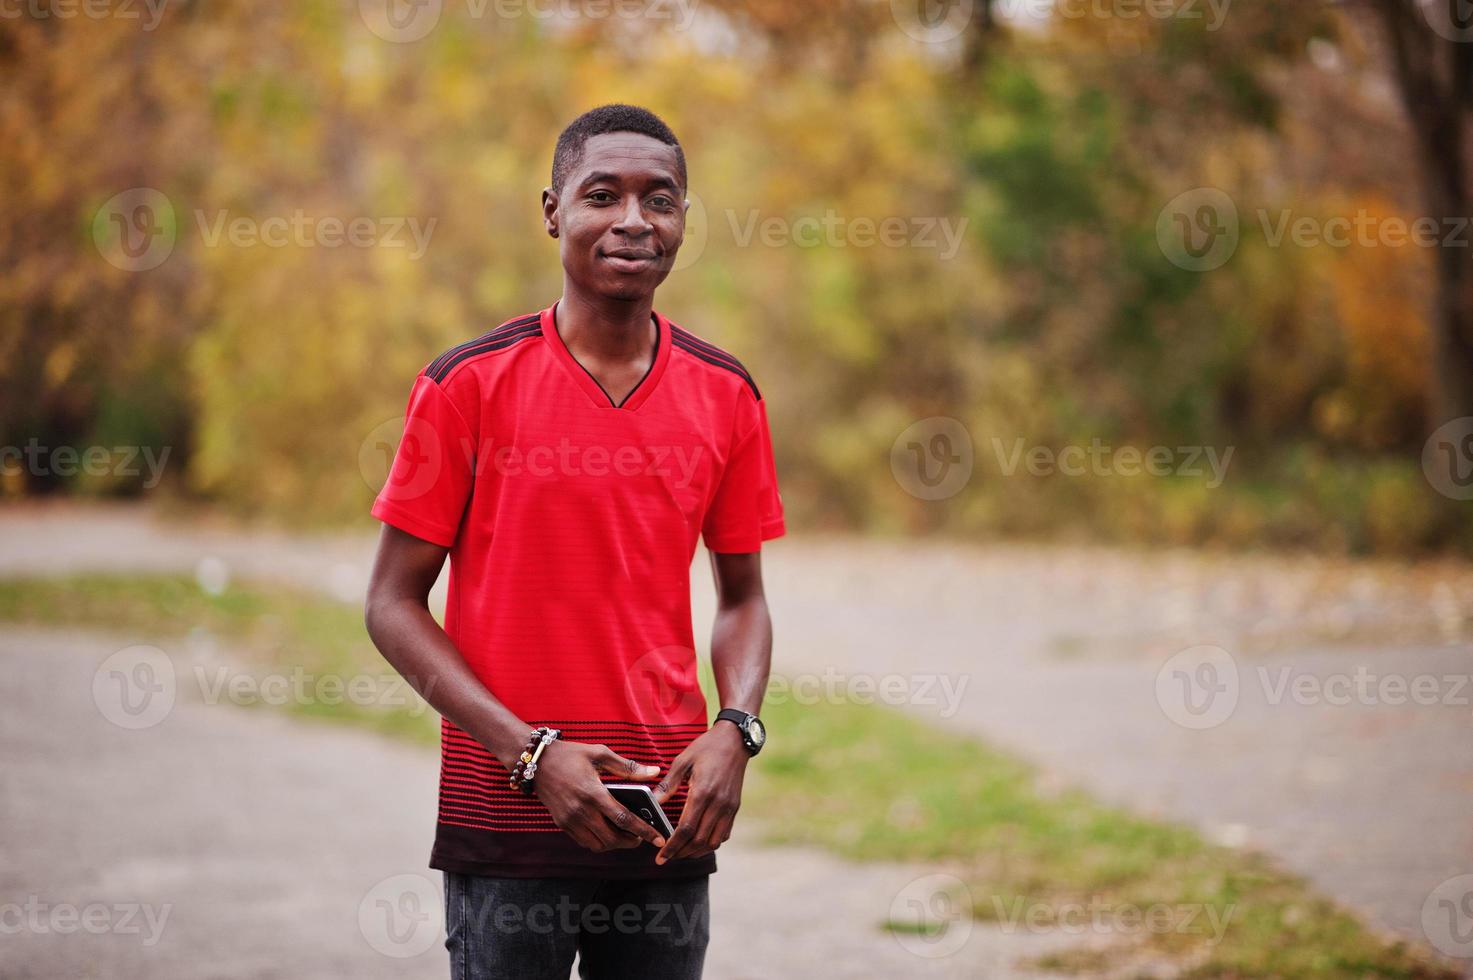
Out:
{"x": 473, "y": 784}
{"x": 511, "y": 332}
{"x": 711, "y": 354}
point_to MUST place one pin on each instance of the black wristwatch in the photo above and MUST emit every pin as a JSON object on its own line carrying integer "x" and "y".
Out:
{"x": 754, "y": 735}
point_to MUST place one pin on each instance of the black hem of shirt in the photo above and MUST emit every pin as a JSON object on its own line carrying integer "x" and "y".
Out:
{"x": 464, "y": 850}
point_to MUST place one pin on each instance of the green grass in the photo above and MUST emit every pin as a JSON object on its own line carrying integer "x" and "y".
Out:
{"x": 868, "y": 782}
{"x": 269, "y": 629}
{"x": 872, "y": 783}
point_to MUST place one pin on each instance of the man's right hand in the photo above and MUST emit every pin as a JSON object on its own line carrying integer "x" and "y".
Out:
{"x": 568, "y": 785}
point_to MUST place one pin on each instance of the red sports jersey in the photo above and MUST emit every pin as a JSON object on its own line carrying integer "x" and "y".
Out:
{"x": 572, "y": 524}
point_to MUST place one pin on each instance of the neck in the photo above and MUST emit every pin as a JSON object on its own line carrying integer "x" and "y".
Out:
{"x": 605, "y": 327}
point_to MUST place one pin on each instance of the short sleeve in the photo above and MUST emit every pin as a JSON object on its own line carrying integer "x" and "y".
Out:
{"x": 746, "y": 508}
{"x": 430, "y": 481}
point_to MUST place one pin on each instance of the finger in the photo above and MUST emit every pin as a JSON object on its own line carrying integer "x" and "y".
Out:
{"x": 705, "y": 835}
{"x": 675, "y": 847}
{"x": 690, "y": 819}
{"x": 722, "y": 833}
{"x": 704, "y": 828}
{"x": 615, "y": 764}
{"x": 585, "y": 824}
{"x": 677, "y": 774}
{"x": 582, "y": 835}
{"x": 612, "y": 838}
{"x": 604, "y": 836}
{"x": 629, "y": 824}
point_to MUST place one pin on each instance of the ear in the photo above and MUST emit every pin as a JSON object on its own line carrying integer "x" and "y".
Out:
{"x": 549, "y": 211}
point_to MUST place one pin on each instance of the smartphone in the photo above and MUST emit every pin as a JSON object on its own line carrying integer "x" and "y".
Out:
{"x": 637, "y": 797}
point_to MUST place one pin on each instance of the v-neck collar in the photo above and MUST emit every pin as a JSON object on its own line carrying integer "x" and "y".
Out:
{"x": 589, "y": 383}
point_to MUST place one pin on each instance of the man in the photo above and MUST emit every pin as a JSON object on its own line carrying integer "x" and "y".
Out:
{"x": 567, "y": 462}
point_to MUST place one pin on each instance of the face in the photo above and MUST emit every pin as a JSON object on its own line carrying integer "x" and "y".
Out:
{"x": 620, "y": 216}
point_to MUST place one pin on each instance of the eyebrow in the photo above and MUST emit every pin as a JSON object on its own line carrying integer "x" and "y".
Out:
{"x": 600, "y": 176}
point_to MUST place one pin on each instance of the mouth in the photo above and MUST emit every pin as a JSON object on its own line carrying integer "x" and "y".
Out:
{"x": 631, "y": 259}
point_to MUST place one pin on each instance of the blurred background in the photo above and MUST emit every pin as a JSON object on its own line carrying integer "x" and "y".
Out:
{"x": 1119, "y": 361}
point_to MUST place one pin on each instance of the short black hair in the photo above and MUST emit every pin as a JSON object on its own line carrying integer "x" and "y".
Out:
{"x": 614, "y": 118}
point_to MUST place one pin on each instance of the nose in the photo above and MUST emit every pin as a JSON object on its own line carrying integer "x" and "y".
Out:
{"x": 632, "y": 221}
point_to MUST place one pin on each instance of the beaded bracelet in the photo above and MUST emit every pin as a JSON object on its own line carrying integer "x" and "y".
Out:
{"x": 530, "y": 773}
{"x": 526, "y": 770}
{"x": 525, "y": 757}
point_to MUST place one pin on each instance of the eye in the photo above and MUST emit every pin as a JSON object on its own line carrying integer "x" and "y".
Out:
{"x": 601, "y": 197}
{"x": 662, "y": 201}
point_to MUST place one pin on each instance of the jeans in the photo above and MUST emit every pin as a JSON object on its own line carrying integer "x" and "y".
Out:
{"x": 529, "y": 928}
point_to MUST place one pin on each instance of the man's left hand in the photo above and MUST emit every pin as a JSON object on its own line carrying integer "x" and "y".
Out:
{"x": 715, "y": 764}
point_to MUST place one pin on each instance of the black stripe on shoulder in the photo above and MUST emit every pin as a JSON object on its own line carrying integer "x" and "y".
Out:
{"x": 438, "y": 362}
{"x": 713, "y": 355}
{"x": 494, "y": 342}
{"x": 704, "y": 345}
{"x": 514, "y": 330}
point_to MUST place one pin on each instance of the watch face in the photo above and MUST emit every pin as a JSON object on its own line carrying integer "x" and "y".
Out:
{"x": 756, "y": 732}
